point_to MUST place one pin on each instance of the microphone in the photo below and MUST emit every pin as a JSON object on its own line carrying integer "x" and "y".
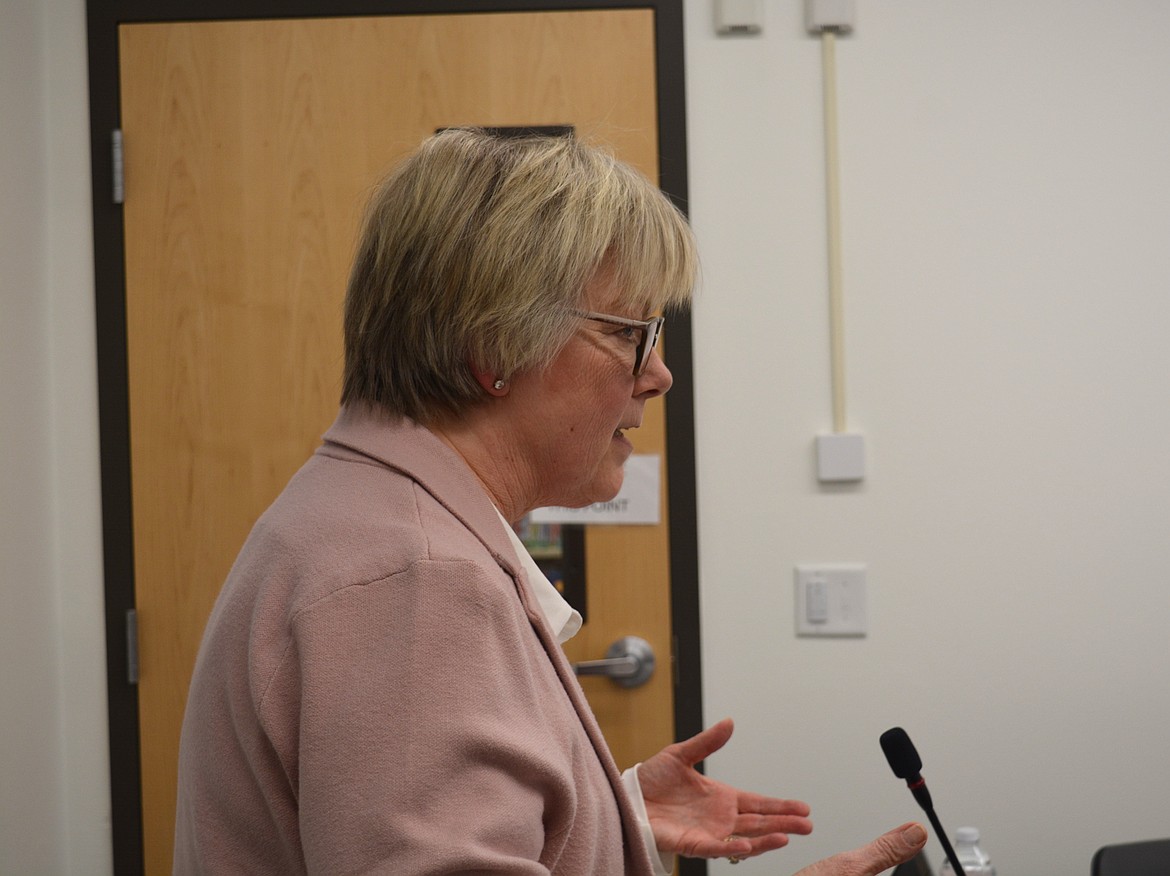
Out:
{"x": 906, "y": 764}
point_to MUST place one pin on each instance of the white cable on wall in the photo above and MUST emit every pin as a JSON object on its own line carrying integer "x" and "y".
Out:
{"x": 840, "y": 455}
{"x": 833, "y": 218}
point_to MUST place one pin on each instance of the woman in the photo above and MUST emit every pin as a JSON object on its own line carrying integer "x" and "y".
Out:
{"x": 380, "y": 687}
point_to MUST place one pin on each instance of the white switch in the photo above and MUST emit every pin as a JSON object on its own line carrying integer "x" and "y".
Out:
{"x": 831, "y": 600}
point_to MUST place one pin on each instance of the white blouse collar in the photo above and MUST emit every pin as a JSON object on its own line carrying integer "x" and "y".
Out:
{"x": 564, "y": 620}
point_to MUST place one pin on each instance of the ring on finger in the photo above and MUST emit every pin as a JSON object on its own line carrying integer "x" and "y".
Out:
{"x": 734, "y": 859}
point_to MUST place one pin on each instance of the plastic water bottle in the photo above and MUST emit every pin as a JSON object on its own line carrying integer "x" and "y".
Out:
{"x": 970, "y": 854}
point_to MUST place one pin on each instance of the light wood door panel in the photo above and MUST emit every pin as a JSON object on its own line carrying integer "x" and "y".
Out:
{"x": 250, "y": 149}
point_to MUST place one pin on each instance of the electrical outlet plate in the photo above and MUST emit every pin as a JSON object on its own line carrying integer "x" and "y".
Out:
{"x": 831, "y": 600}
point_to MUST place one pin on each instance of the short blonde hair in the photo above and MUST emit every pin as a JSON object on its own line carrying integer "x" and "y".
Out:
{"x": 477, "y": 249}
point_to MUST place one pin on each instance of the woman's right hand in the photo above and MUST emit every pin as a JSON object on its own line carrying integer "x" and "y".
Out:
{"x": 888, "y": 850}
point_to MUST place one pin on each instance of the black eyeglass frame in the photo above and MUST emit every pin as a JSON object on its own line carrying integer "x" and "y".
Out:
{"x": 651, "y": 330}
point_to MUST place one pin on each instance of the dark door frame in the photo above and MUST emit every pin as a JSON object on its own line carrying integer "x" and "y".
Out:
{"x": 104, "y": 17}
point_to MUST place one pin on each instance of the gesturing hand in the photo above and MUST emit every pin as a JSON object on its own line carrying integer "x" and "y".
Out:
{"x": 888, "y": 850}
{"x": 693, "y": 815}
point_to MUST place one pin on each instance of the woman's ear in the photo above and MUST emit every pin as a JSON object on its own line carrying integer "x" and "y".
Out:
{"x": 492, "y": 383}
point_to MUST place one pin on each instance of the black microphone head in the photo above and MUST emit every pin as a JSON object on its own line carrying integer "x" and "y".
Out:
{"x": 901, "y": 753}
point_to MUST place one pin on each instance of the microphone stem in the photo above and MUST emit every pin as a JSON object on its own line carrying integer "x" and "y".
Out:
{"x": 946, "y": 843}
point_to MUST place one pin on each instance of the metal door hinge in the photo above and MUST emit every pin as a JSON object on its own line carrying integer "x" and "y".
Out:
{"x": 132, "y": 646}
{"x": 116, "y": 157}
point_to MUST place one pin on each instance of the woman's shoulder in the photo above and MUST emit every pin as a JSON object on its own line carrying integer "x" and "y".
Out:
{"x": 348, "y": 521}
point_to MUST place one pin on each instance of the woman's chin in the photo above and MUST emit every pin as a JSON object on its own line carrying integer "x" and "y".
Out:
{"x": 603, "y": 484}
{"x": 612, "y": 487}
{"x": 600, "y": 490}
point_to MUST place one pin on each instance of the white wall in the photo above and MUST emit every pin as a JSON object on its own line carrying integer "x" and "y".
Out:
{"x": 54, "y": 790}
{"x": 1005, "y": 192}
{"x": 1006, "y": 207}
{"x": 31, "y": 756}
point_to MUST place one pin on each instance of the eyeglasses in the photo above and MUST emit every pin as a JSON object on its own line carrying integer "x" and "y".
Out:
{"x": 649, "y": 330}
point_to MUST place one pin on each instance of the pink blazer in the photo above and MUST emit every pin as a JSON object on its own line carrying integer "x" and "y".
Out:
{"x": 377, "y": 691}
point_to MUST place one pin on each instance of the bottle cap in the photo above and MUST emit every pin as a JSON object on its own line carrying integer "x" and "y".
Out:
{"x": 967, "y": 835}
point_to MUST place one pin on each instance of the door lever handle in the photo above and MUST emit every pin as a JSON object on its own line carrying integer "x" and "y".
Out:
{"x": 628, "y": 662}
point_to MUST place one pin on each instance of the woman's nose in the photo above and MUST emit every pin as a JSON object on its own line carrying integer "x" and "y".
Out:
{"x": 655, "y": 380}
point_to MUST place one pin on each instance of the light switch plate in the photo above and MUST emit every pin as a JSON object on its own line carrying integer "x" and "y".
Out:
{"x": 831, "y": 600}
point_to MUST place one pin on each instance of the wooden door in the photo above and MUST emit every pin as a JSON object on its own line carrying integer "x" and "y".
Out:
{"x": 250, "y": 147}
